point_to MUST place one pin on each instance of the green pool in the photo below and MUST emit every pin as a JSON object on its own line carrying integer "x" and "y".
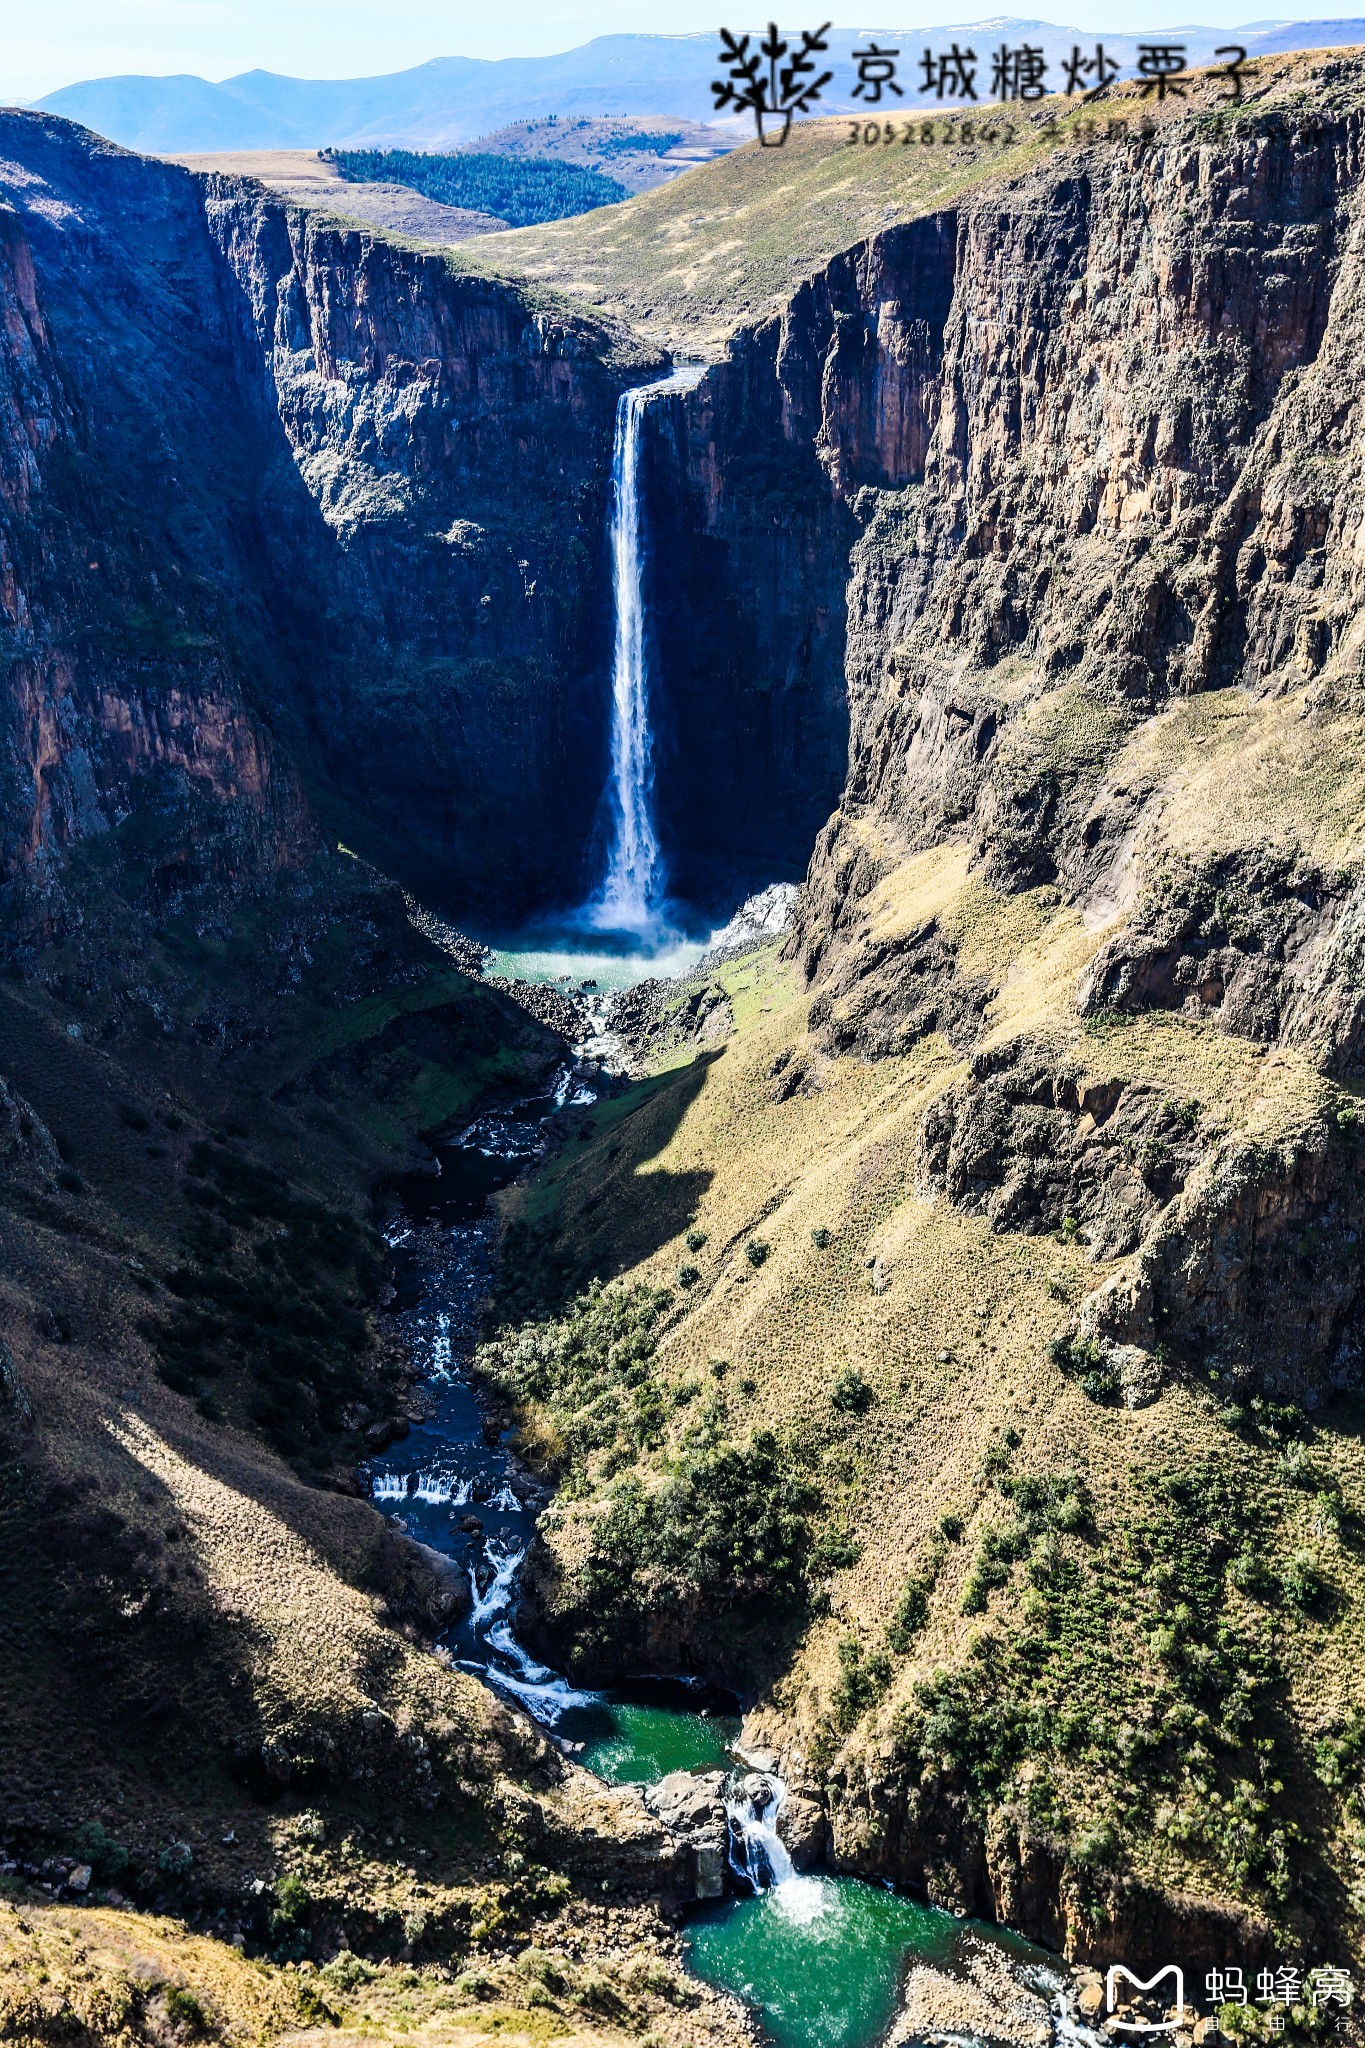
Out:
{"x": 821, "y": 1957}
{"x": 631, "y": 1744}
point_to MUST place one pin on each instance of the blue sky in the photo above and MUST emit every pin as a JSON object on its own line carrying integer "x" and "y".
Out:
{"x": 47, "y": 43}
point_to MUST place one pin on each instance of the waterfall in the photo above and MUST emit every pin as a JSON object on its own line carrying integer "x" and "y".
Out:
{"x": 632, "y": 887}
{"x": 757, "y": 1851}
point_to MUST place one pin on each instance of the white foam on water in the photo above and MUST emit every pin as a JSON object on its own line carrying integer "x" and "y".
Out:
{"x": 543, "y": 1691}
{"x": 545, "y": 1703}
{"x": 439, "y": 1490}
{"x": 389, "y": 1486}
{"x": 757, "y": 1851}
{"x": 440, "y": 1345}
{"x": 800, "y": 1899}
{"x": 504, "y": 1500}
{"x": 506, "y": 1645}
{"x": 499, "y": 1594}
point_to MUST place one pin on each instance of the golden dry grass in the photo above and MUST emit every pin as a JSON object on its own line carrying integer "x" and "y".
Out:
{"x": 729, "y": 242}
{"x": 948, "y": 1322}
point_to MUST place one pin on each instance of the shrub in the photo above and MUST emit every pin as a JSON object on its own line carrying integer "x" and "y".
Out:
{"x": 346, "y": 1971}
{"x": 1084, "y": 1362}
{"x": 598, "y": 1993}
{"x": 1301, "y": 1582}
{"x": 107, "y": 1858}
{"x": 534, "y": 1963}
{"x": 475, "y": 1984}
{"x": 851, "y": 1394}
{"x": 861, "y": 1682}
{"x": 951, "y": 1526}
{"x": 912, "y": 1611}
{"x": 184, "y": 2010}
{"x": 756, "y": 1251}
{"x": 292, "y": 1903}
{"x": 820, "y": 1237}
{"x": 695, "y": 1240}
{"x": 688, "y": 1276}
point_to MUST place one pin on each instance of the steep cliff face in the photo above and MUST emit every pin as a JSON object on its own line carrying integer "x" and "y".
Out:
{"x": 751, "y": 488}
{"x": 128, "y": 613}
{"x": 1092, "y": 441}
{"x": 282, "y": 503}
{"x": 1132, "y": 491}
{"x": 438, "y": 506}
{"x": 1029, "y": 1212}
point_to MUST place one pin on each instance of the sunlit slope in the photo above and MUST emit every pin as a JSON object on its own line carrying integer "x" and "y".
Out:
{"x": 1133, "y": 1634}
{"x": 729, "y": 242}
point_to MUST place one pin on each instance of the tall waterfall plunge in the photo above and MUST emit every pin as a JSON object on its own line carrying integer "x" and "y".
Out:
{"x": 631, "y": 892}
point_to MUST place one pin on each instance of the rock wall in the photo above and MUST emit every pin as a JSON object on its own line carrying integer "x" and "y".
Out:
{"x": 751, "y": 484}
{"x": 287, "y": 506}
{"x": 1137, "y": 442}
{"x": 437, "y": 509}
{"x": 126, "y": 612}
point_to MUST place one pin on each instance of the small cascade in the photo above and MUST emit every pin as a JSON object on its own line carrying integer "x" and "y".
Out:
{"x": 439, "y": 1490}
{"x": 632, "y": 887}
{"x": 498, "y": 1596}
{"x": 757, "y": 1852}
{"x": 542, "y": 1691}
{"x": 440, "y": 1347}
{"x": 389, "y": 1486}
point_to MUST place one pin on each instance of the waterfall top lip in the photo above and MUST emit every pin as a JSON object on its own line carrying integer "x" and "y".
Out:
{"x": 681, "y": 377}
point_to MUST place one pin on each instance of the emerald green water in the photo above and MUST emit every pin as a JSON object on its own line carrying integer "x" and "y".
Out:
{"x": 628, "y": 1744}
{"x": 821, "y": 1957}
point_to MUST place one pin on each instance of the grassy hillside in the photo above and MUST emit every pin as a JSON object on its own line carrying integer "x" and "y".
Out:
{"x": 729, "y": 242}
{"x": 1124, "y": 1643}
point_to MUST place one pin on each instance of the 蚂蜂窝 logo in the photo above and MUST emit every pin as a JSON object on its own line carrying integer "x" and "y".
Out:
{"x": 1117, "y": 1970}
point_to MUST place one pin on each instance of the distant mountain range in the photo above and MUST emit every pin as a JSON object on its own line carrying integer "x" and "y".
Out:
{"x": 452, "y": 99}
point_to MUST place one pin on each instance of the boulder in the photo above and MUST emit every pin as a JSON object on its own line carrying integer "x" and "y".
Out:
{"x": 691, "y": 1806}
{"x": 801, "y": 1826}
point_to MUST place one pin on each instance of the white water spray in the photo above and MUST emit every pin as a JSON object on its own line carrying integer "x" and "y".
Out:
{"x": 499, "y": 1594}
{"x": 757, "y": 1851}
{"x": 628, "y": 900}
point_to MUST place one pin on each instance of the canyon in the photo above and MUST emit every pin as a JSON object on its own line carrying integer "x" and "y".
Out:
{"x": 1003, "y": 566}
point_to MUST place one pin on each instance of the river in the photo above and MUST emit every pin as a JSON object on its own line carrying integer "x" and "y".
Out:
{"x": 821, "y": 1957}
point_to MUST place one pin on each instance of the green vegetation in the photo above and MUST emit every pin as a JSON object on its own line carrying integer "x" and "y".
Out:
{"x": 640, "y": 141}
{"x": 863, "y": 1679}
{"x": 676, "y": 1509}
{"x": 1133, "y": 1675}
{"x": 521, "y": 190}
{"x": 851, "y": 1394}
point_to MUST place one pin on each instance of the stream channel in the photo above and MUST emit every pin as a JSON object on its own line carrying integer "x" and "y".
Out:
{"x": 820, "y": 1957}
